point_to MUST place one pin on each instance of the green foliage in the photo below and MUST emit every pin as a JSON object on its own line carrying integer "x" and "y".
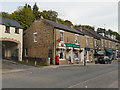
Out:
{"x": 114, "y": 33}
{"x": 88, "y": 26}
{"x": 60, "y": 21}
{"x": 67, "y": 22}
{"x": 50, "y": 15}
{"x": 35, "y": 10}
{"x": 24, "y": 16}
{"x": 5, "y": 14}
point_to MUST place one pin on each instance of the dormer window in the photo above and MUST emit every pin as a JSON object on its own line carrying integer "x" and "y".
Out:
{"x": 7, "y": 30}
{"x": 17, "y": 30}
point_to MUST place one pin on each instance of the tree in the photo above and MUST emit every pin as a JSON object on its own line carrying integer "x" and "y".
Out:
{"x": 60, "y": 21}
{"x": 88, "y": 26}
{"x": 114, "y": 33}
{"x": 35, "y": 10}
{"x": 50, "y": 15}
{"x": 5, "y": 14}
{"x": 24, "y": 16}
{"x": 67, "y": 22}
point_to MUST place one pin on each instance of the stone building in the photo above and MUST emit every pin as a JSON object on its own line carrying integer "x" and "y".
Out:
{"x": 11, "y": 37}
{"x": 110, "y": 42}
{"x": 46, "y": 40}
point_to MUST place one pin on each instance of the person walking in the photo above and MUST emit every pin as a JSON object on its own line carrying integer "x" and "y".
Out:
{"x": 69, "y": 59}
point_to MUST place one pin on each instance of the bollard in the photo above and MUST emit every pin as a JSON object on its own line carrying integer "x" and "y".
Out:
{"x": 48, "y": 61}
{"x": 35, "y": 63}
{"x": 27, "y": 61}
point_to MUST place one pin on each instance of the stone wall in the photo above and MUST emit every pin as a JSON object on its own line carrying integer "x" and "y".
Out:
{"x": 43, "y": 48}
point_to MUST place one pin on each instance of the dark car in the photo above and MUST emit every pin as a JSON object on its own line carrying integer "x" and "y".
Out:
{"x": 104, "y": 60}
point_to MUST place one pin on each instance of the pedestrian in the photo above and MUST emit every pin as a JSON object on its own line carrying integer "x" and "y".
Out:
{"x": 69, "y": 59}
{"x": 77, "y": 60}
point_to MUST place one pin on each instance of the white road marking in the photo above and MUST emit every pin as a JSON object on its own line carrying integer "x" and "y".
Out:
{"x": 88, "y": 80}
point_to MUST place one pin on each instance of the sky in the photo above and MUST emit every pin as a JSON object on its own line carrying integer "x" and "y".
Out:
{"x": 103, "y": 14}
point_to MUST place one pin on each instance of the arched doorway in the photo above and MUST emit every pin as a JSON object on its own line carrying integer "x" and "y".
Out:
{"x": 11, "y": 49}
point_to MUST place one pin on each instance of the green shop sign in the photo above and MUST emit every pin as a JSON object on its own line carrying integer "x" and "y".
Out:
{"x": 72, "y": 45}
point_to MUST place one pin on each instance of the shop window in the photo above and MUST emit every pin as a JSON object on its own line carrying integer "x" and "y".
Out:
{"x": 61, "y": 36}
{"x": 17, "y": 30}
{"x": 7, "y": 30}
{"x": 61, "y": 54}
{"x": 26, "y": 52}
{"x": 35, "y": 37}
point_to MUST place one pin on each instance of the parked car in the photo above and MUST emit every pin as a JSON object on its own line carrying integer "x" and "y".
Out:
{"x": 104, "y": 59}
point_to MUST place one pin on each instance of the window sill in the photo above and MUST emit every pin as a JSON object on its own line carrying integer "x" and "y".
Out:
{"x": 62, "y": 59}
{"x": 16, "y": 33}
{"x": 7, "y": 32}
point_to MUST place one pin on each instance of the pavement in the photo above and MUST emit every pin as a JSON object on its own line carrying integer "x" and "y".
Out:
{"x": 11, "y": 66}
{"x": 70, "y": 76}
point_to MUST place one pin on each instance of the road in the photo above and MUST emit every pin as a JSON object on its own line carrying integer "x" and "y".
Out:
{"x": 92, "y": 76}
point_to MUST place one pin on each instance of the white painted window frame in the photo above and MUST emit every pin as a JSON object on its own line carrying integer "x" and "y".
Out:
{"x": 61, "y": 31}
{"x": 76, "y": 38}
{"x": 34, "y": 36}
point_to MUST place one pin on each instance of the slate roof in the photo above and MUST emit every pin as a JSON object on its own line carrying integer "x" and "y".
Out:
{"x": 12, "y": 23}
{"x": 93, "y": 33}
{"x": 63, "y": 27}
{"x": 85, "y": 33}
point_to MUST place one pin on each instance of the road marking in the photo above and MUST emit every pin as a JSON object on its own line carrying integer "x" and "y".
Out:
{"x": 89, "y": 80}
{"x": 12, "y": 71}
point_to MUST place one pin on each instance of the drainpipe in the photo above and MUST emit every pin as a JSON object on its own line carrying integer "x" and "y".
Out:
{"x": 55, "y": 44}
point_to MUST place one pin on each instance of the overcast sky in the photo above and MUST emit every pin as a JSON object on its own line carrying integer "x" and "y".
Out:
{"x": 97, "y": 14}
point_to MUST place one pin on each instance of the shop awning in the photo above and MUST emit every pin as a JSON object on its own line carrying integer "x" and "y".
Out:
{"x": 109, "y": 51}
{"x": 7, "y": 24}
{"x": 100, "y": 52}
{"x": 72, "y": 45}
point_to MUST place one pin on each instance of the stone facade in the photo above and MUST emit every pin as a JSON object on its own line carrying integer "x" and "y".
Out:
{"x": 43, "y": 48}
{"x": 48, "y": 46}
{"x": 53, "y": 42}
